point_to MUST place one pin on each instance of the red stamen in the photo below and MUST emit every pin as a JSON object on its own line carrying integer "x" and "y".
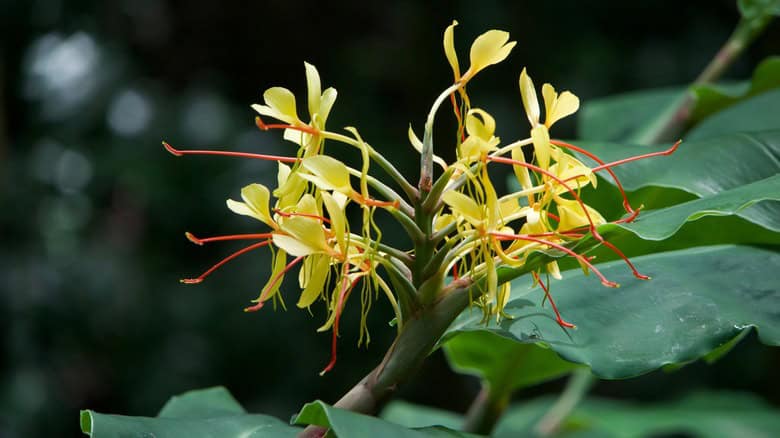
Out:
{"x": 223, "y": 261}
{"x": 638, "y": 157}
{"x": 179, "y": 153}
{"x": 271, "y": 285}
{"x": 346, "y": 288}
{"x": 455, "y": 275}
{"x": 264, "y": 127}
{"x": 626, "y": 204}
{"x": 573, "y": 234}
{"x": 198, "y": 241}
{"x": 313, "y": 216}
{"x": 374, "y": 203}
{"x": 625, "y": 259}
{"x": 547, "y": 295}
{"x": 604, "y": 281}
{"x": 457, "y": 116}
{"x": 553, "y": 217}
{"x": 538, "y": 169}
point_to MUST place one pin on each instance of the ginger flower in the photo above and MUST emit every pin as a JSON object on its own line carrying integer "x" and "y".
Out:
{"x": 461, "y": 231}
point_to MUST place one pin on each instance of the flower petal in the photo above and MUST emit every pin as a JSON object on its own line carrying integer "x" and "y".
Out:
{"x": 566, "y": 104}
{"x": 319, "y": 268}
{"x": 327, "y": 173}
{"x": 449, "y": 49}
{"x": 530, "y": 101}
{"x": 464, "y": 207}
{"x": 541, "y": 139}
{"x": 282, "y": 101}
{"x": 489, "y": 48}
{"x": 313, "y": 88}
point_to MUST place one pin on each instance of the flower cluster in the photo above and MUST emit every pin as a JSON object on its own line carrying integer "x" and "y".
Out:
{"x": 458, "y": 222}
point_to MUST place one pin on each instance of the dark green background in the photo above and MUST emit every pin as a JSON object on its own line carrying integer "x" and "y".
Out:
{"x": 93, "y": 211}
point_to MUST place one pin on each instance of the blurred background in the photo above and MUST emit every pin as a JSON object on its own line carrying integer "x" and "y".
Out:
{"x": 93, "y": 211}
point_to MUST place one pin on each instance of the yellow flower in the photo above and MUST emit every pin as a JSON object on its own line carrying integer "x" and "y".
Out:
{"x": 489, "y": 48}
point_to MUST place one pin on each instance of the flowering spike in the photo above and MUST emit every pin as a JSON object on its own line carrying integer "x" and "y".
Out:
{"x": 223, "y": 261}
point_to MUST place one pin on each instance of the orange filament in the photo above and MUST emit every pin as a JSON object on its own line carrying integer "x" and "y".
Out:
{"x": 595, "y": 158}
{"x": 344, "y": 292}
{"x": 313, "y": 216}
{"x": 547, "y": 296}
{"x": 198, "y": 241}
{"x": 638, "y": 157}
{"x": 455, "y": 275}
{"x": 604, "y": 281}
{"x": 625, "y": 259}
{"x": 264, "y": 127}
{"x": 552, "y": 216}
{"x": 537, "y": 169}
{"x": 179, "y": 153}
{"x": 374, "y": 203}
{"x": 223, "y": 261}
{"x": 271, "y": 285}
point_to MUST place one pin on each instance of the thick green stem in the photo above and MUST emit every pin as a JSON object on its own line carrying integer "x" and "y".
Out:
{"x": 485, "y": 410}
{"x": 578, "y": 385}
{"x": 672, "y": 121}
{"x": 416, "y": 340}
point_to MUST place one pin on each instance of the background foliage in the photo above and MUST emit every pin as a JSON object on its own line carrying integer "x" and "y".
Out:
{"x": 92, "y": 211}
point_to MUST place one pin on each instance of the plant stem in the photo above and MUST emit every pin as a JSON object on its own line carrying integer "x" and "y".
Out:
{"x": 671, "y": 122}
{"x": 411, "y": 347}
{"x": 485, "y": 410}
{"x": 578, "y": 385}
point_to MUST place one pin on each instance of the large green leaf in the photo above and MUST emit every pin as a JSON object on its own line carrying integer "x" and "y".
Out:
{"x": 710, "y": 414}
{"x": 663, "y": 223}
{"x": 204, "y": 413}
{"x": 625, "y": 117}
{"x": 618, "y": 118}
{"x": 758, "y": 113}
{"x": 504, "y": 364}
{"x": 713, "y": 98}
{"x": 698, "y": 299}
{"x": 348, "y": 424}
{"x": 411, "y": 415}
{"x": 703, "y": 168}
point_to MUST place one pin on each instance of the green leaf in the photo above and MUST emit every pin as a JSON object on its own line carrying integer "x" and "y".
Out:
{"x": 617, "y": 118}
{"x": 698, "y": 299}
{"x": 624, "y": 117}
{"x": 758, "y": 113}
{"x": 705, "y": 414}
{"x": 506, "y": 365}
{"x": 663, "y": 223}
{"x": 713, "y": 98}
{"x": 703, "y": 168}
{"x": 211, "y": 412}
{"x": 412, "y": 415}
{"x": 348, "y": 424}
